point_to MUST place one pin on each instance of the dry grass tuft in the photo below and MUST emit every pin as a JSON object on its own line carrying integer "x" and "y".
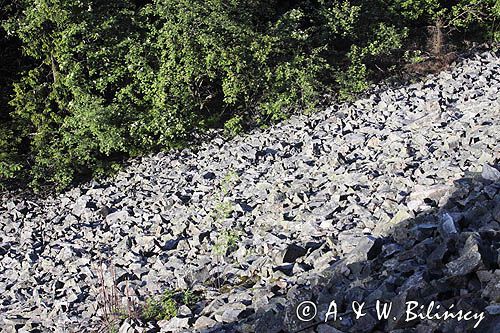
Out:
{"x": 110, "y": 299}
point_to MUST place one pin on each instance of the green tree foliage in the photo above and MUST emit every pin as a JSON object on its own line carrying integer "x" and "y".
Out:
{"x": 111, "y": 79}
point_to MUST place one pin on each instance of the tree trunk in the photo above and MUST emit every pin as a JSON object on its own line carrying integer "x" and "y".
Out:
{"x": 437, "y": 38}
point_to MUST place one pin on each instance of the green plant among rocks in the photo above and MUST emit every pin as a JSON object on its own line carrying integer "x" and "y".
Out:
{"x": 189, "y": 297}
{"x": 227, "y": 239}
{"x": 166, "y": 306}
{"x": 226, "y": 242}
{"x": 223, "y": 208}
{"x": 228, "y": 182}
{"x": 163, "y": 308}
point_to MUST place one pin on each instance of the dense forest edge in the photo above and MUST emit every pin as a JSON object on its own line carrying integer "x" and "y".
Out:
{"x": 86, "y": 84}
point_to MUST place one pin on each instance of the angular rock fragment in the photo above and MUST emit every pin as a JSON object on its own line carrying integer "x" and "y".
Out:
{"x": 447, "y": 225}
{"x": 469, "y": 260}
{"x": 490, "y": 173}
{"x": 291, "y": 254}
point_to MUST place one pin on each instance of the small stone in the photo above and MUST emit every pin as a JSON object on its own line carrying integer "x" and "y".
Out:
{"x": 184, "y": 311}
{"x": 447, "y": 225}
{"x": 230, "y": 312}
{"x": 490, "y": 173}
{"x": 469, "y": 260}
{"x": 173, "y": 325}
{"x": 324, "y": 328}
{"x": 368, "y": 248}
{"x": 434, "y": 192}
{"x": 493, "y": 309}
{"x": 209, "y": 175}
{"x": 121, "y": 215}
{"x": 80, "y": 205}
{"x": 204, "y": 322}
{"x": 270, "y": 322}
{"x": 291, "y": 254}
{"x": 15, "y": 323}
{"x": 125, "y": 327}
{"x": 365, "y": 323}
{"x": 382, "y": 228}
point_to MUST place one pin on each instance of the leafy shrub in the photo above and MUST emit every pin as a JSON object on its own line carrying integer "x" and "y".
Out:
{"x": 233, "y": 126}
{"x": 112, "y": 79}
{"x": 10, "y": 65}
{"x": 9, "y": 160}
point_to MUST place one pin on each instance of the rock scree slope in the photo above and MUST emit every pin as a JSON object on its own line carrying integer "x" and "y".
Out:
{"x": 393, "y": 197}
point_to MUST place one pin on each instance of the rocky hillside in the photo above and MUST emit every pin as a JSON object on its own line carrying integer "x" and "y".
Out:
{"x": 395, "y": 197}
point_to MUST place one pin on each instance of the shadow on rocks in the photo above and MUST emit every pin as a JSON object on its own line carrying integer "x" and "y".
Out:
{"x": 447, "y": 257}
